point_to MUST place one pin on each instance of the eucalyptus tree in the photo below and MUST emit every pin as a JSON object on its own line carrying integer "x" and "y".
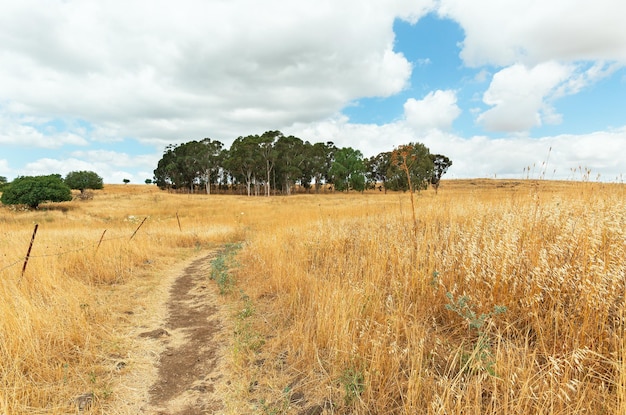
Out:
{"x": 411, "y": 167}
{"x": 210, "y": 159}
{"x": 318, "y": 162}
{"x": 182, "y": 165}
{"x": 166, "y": 174}
{"x": 269, "y": 154}
{"x": 348, "y": 169}
{"x": 441, "y": 164}
{"x": 291, "y": 153}
{"x": 243, "y": 160}
{"x": 378, "y": 168}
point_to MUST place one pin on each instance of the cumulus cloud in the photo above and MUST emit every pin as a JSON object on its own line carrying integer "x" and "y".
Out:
{"x": 547, "y": 50}
{"x": 112, "y": 166}
{"x": 162, "y": 72}
{"x": 438, "y": 109}
{"x": 520, "y": 96}
{"x": 196, "y": 66}
{"x": 505, "y": 32}
{"x": 558, "y": 157}
{"x": 32, "y": 132}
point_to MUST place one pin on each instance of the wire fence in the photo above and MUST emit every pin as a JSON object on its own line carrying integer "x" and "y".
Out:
{"x": 24, "y": 260}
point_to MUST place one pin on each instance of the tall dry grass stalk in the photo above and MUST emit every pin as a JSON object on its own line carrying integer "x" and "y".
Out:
{"x": 510, "y": 302}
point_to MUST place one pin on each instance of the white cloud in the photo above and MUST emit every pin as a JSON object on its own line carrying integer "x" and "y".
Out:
{"x": 173, "y": 71}
{"x": 5, "y": 170}
{"x": 162, "y": 72}
{"x": 29, "y": 132}
{"x": 547, "y": 49}
{"x": 438, "y": 109}
{"x": 480, "y": 156}
{"x": 112, "y": 166}
{"x": 520, "y": 97}
{"x": 505, "y": 32}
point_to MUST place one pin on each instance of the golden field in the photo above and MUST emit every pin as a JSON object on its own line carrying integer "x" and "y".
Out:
{"x": 506, "y": 298}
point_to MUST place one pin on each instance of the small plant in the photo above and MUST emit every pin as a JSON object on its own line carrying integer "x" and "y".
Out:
{"x": 220, "y": 268}
{"x": 353, "y": 383}
{"x": 480, "y": 357}
{"x": 248, "y": 307}
{"x": 246, "y": 338}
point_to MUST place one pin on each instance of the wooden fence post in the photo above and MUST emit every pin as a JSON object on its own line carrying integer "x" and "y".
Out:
{"x": 32, "y": 240}
{"x": 100, "y": 241}
{"x": 133, "y": 235}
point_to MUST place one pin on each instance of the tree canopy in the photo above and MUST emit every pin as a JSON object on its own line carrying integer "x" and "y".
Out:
{"x": 82, "y": 180}
{"x": 441, "y": 164}
{"x": 34, "y": 190}
{"x": 275, "y": 163}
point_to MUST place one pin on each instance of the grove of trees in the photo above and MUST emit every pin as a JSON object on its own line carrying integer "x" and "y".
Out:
{"x": 273, "y": 163}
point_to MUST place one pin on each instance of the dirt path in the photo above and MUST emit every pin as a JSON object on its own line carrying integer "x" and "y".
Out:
{"x": 190, "y": 378}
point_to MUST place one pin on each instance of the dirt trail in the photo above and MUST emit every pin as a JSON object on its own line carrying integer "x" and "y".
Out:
{"x": 190, "y": 377}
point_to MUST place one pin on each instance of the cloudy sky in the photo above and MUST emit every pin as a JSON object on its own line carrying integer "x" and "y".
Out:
{"x": 505, "y": 88}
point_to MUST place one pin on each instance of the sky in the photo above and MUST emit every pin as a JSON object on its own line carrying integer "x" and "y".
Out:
{"x": 504, "y": 88}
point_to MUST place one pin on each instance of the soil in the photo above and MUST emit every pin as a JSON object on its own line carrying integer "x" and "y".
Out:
{"x": 190, "y": 379}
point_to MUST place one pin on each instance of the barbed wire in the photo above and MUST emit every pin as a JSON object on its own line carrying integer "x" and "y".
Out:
{"x": 59, "y": 254}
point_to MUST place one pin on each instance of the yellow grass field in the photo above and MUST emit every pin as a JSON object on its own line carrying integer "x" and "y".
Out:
{"x": 506, "y": 298}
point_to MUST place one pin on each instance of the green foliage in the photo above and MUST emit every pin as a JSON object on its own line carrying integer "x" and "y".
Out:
{"x": 378, "y": 168}
{"x": 441, "y": 164}
{"x": 81, "y": 180}
{"x": 220, "y": 268}
{"x": 348, "y": 170}
{"x": 290, "y": 156}
{"x": 275, "y": 161}
{"x": 411, "y": 167}
{"x": 34, "y": 190}
{"x": 480, "y": 356}
{"x": 126, "y": 181}
{"x": 3, "y": 181}
{"x": 244, "y": 160}
{"x": 353, "y": 383}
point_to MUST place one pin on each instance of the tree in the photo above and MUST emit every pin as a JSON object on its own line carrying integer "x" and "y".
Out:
{"x": 148, "y": 181}
{"x": 268, "y": 154}
{"x": 34, "y": 190}
{"x": 244, "y": 160}
{"x": 82, "y": 180}
{"x": 348, "y": 170}
{"x": 3, "y": 181}
{"x": 210, "y": 160}
{"x": 378, "y": 168}
{"x": 411, "y": 167}
{"x": 441, "y": 164}
{"x": 290, "y": 157}
{"x": 318, "y": 160}
{"x": 126, "y": 181}
{"x": 180, "y": 166}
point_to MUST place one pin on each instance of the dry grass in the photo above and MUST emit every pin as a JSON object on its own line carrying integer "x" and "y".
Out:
{"x": 62, "y": 323}
{"x": 509, "y": 301}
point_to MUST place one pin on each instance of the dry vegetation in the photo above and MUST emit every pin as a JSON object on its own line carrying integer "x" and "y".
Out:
{"x": 510, "y": 300}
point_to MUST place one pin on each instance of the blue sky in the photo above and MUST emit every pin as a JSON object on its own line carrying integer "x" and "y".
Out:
{"x": 496, "y": 85}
